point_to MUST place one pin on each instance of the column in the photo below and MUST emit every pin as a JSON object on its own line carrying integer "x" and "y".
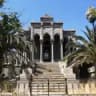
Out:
{"x": 41, "y": 50}
{"x": 52, "y": 57}
{"x": 61, "y": 49}
{"x": 41, "y": 43}
{"x": 32, "y": 32}
{"x": 52, "y": 43}
{"x": 32, "y": 51}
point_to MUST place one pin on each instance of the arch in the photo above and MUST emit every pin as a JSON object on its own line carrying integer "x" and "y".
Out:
{"x": 37, "y": 45}
{"x": 36, "y": 35}
{"x": 46, "y": 37}
{"x": 56, "y": 47}
{"x": 56, "y": 37}
{"x": 46, "y": 48}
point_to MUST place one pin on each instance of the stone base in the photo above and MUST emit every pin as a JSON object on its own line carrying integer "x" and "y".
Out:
{"x": 66, "y": 71}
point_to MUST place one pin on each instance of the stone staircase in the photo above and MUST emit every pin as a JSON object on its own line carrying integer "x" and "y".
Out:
{"x": 49, "y": 81}
{"x": 48, "y": 71}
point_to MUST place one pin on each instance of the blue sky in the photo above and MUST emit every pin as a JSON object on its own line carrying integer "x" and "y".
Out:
{"x": 70, "y": 12}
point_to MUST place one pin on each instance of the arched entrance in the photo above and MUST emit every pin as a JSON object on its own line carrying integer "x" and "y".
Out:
{"x": 56, "y": 47}
{"x": 37, "y": 49}
{"x": 46, "y": 48}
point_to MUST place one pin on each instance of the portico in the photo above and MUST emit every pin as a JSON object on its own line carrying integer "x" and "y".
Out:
{"x": 48, "y": 38}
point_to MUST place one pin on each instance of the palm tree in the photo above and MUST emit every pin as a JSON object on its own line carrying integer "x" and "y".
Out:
{"x": 1, "y": 2}
{"x": 91, "y": 15}
{"x": 85, "y": 50}
{"x": 8, "y": 24}
{"x": 13, "y": 46}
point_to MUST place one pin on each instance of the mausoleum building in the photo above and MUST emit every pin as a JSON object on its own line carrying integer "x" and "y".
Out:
{"x": 50, "y": 40}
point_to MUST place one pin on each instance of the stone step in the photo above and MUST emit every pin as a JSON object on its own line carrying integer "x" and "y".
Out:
{"x": 50, "y": 65}
{"x": 50, "y": 70}
{"x": 42, "y": 82}
{"x": 54, "y": 88}
{"x": 50, "y": 77}
{"x": 54, "y": 73}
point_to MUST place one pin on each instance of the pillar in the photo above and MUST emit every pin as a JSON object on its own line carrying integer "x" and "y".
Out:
{"x": 52, "y": 57}
{"x": 32, "y": 51}
{"x": 61, "y": 49}
{"x": 41, "y": 51}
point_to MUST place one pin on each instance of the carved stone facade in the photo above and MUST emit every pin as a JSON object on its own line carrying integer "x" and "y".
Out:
{"x": 49, "y": 39}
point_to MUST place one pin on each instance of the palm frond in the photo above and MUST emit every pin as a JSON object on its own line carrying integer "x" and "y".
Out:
{"x": 85, "y": 50}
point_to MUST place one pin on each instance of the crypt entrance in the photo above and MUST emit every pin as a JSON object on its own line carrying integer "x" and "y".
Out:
{"x": 46, "y": 48}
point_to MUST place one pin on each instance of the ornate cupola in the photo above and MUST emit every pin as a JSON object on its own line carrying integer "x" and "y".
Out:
{"x": 46, "y": 19}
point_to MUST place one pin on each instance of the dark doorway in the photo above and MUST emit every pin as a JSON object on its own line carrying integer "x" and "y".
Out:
{"x": 56, "y": 47}
{"x": 65, "y": 46}
{"x": 46, "y": 48}
{"x": 37, "y": 45}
